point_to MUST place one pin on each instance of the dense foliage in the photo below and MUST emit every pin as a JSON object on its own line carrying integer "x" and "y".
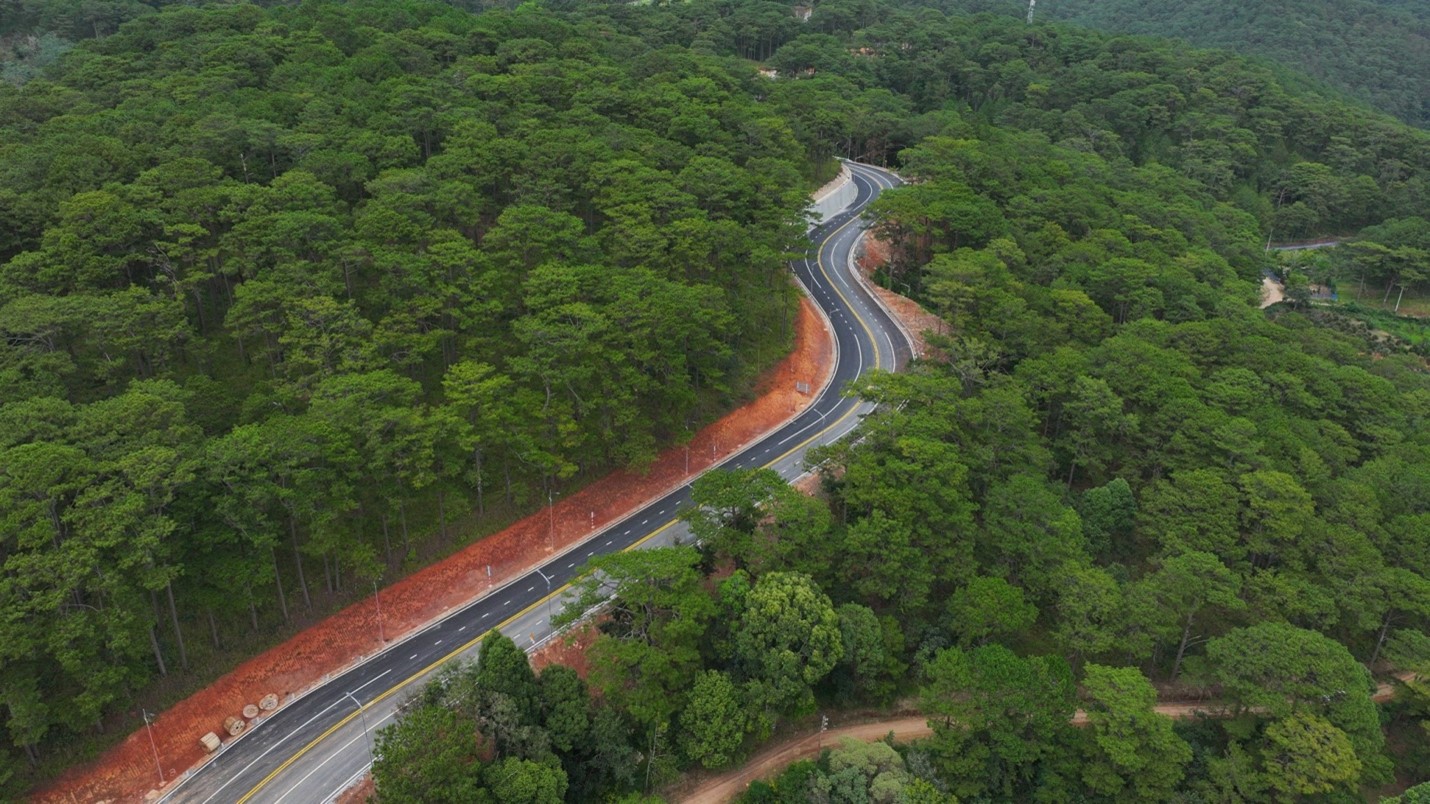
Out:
{"x": 274, "y": 283}
{"x": 284, "y": 292}
{"x": 876, "y": 76}
{"x": 1174, "y": 481}
{"x": 1112, "y": 467}
{"x": 1377, "y": 51}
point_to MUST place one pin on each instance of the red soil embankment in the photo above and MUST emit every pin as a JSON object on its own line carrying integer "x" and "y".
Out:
{"x": 568, "y": 649}
{"x": 873, "y": 253}
{"x": 126, "y": 772}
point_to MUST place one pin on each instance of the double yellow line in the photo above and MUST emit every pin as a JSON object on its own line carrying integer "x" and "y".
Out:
{"x": 874, "y": 345}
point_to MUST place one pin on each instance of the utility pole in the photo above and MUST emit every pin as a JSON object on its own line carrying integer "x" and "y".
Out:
{"x": 149, "y": 726}
{"x": 362, "y": 713}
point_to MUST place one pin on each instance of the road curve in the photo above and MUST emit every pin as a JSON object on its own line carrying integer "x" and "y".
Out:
{"x": 313, "y": 747}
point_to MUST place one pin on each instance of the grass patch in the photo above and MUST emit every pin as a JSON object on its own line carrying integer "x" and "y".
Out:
{"x": 1416, "y": 303}
{"x": 1385, "y": 326}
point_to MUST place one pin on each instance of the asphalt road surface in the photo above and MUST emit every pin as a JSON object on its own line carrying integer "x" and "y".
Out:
{"x": 315, "y": 746}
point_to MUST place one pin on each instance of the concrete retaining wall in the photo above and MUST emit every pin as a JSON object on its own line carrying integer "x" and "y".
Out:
{"x": 834, "y": 197}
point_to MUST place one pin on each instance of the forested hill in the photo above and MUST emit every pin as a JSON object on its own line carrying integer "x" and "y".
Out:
{"x": 285, "y": 292}
{"x": 1377, "y": 51}
{"x": 1112, "y": 467}
{"x": 877, "y": 77}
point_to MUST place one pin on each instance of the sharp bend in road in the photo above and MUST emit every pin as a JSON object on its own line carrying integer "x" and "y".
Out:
{"x": 315, "y": 746}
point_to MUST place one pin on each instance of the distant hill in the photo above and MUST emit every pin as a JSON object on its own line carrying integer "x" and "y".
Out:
{"x": 1375, "y": 50}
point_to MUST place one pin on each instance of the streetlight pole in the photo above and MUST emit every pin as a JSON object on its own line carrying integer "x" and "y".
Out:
{"x": 551, "y": 513}
{"x": 378, "y": 598}
{"x": 148, "y": 726}
{"x": 548, "y": 594}
{"x": 362, "y": 713}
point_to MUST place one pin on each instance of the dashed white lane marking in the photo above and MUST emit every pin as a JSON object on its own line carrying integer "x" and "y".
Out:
{"x": 529, "y": 588}
{"x": 488, "y": 614}
{"x": 413, "y": 656}
{"x": 339, "y": 752}
{"x": 608, "y": 542}
{"x": 279, "y": 742}
{"x": 572, "y": 564}
{"x": 643, "y": 521}
{"x": 506, "y": 602}
{"x": 438, "y": 642}
{"x": 460, "y": 630}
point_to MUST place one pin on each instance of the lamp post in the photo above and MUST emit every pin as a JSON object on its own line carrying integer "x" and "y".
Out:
{"x": 551, "y": 513}
{"x": 548, "y": 594}
{"x": 362, "y": 713}
{"x": 378, "y": 598}
{"x": 149, "y": 726}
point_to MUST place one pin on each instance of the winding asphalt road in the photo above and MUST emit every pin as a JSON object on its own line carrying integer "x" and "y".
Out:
{"x": 313, "y": 747}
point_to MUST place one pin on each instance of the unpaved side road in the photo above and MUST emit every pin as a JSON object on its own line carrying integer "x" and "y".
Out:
{"x": 775, "y": 758}
{"x": 1270, "y": 292}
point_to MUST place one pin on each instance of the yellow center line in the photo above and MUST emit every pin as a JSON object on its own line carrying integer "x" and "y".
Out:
{"x": 819, "y": 261}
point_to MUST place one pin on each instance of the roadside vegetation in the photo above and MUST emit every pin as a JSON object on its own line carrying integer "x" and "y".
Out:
{"x": 285, "y": 293}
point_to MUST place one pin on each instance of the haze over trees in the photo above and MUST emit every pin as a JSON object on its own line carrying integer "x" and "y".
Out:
{"x": 1374, "y": 51}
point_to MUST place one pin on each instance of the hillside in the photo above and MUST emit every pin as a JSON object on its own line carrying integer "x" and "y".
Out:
{"x": 1377, "y": 51}
{"x": 294, "y": 298}
{"x": 1111, "y": 469}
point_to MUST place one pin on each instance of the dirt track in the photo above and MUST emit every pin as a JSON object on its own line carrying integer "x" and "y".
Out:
{"x": 775, "y": 758}
{"x": 772, "y": 759}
